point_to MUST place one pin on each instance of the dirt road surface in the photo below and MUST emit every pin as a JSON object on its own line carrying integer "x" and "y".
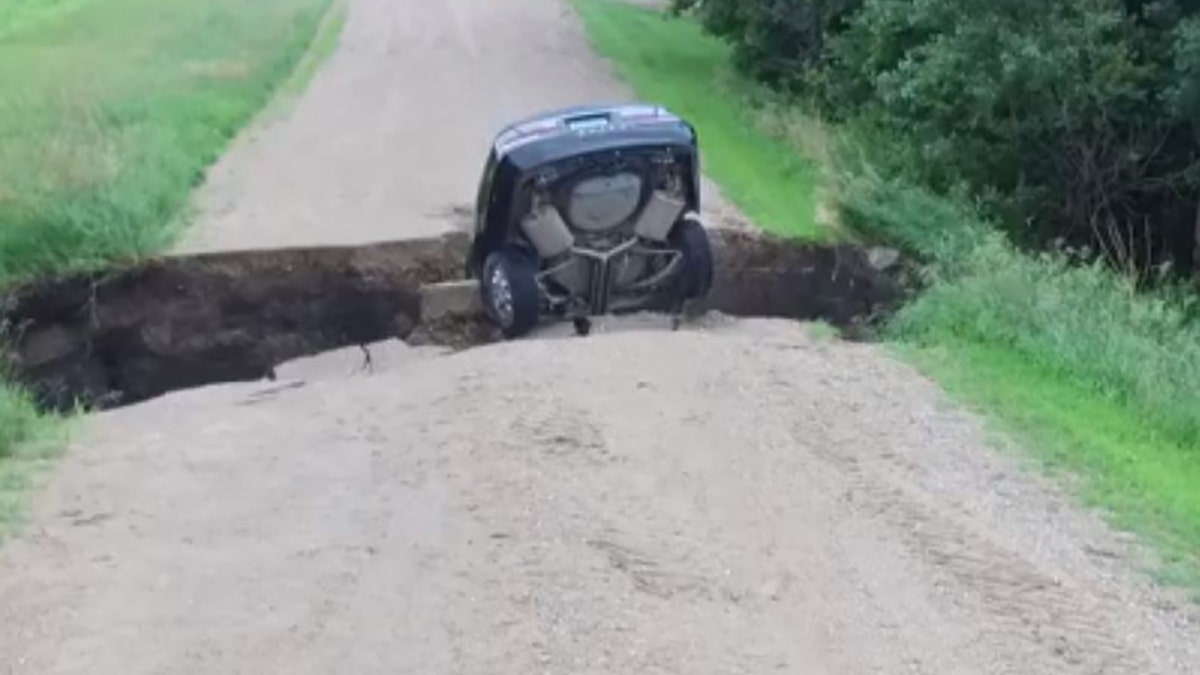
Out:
{"x": 736, "y": 497}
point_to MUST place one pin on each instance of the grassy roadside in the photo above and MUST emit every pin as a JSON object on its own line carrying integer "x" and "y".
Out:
{"x": 27, "y": 442}
{"x": 1091, "y": 379}
{"x": 1144, "y": 482}
{"x": 769, "y": 183}
{"x": 129, "y": 103}
{"x": 110, "y": 112}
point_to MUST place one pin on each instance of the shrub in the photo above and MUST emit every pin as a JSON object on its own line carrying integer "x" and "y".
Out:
{"x": 775, "y": 40}
{"x": 1077, "y": 126}
{"x": 1060, "y": 124}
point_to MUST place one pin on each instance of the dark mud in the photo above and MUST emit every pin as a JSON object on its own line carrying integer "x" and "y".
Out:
{"x": 759, "y": 276}
{"x": 123, "y": 336}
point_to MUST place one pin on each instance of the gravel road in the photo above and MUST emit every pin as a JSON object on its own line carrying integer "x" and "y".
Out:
{"x": 390, "y": 138}
{"x": 735, "y": 497}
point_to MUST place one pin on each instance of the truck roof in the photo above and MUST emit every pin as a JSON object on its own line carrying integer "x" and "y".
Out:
{"x": 582, "y": 121}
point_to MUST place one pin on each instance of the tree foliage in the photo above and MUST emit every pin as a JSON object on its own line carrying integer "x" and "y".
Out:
{"x": 1072, "y": 120}
{"x": 777, "y": 41}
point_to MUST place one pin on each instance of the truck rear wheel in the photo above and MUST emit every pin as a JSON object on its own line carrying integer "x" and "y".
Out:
{"x": 691, "y": 240}
{"x": 509, "y": 289}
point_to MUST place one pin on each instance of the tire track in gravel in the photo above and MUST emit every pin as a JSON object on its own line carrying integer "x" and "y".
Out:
{"x": 1064, "y": 625}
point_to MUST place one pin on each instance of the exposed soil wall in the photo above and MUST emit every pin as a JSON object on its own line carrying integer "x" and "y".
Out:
{"x": 768, "y": 277}
{"x": 127, "y": 335}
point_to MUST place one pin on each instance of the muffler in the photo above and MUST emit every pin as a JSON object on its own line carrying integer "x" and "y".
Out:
{"x": 660, "y": 215}
{"x": 547, "y": 231}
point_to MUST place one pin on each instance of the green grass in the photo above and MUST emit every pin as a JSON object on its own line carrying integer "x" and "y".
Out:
{"x": 1088, "y": 325}
{"x": 19, "y": 420}
{"x": 21, "y": 15}
{"x": 27, "y": 441}
{"x": 128, "y": 103}
{"x": 772, "y": 185}
{"x": 1096, "y": 383}
{"x": 1095, "y": 377}
{"x": 110, "y": 112}
{"x": 1142, "y": 480}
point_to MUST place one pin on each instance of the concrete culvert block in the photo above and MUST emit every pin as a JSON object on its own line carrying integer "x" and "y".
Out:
{"x": 883, "y": 259}
{"x": 450, "y": 299}
{"x": 47, "y": 345}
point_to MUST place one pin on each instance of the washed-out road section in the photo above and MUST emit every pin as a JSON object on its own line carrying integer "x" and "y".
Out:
{"x": 734, "y": 497}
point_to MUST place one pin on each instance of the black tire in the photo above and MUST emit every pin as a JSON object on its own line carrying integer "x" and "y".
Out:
{"x": 690, "y": 238}
{"x": 517, "y": 269}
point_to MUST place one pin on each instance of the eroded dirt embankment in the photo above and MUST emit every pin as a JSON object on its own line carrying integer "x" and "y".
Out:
{"x": 126, "y": 335}
{"x": 123, "y": 336}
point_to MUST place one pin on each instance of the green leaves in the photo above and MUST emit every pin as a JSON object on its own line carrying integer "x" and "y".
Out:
{"x": 775, "y": 40}
{"x": 1072, "y": 120}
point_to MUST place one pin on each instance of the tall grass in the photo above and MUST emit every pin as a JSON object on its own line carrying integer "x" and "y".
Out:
{"x": 18, "y": 419}
{"x": 1083, "y": 321}
{"x": 1099, "y": 376}
{"x": 111, "y": 111}
{"x": 26, "y": 440}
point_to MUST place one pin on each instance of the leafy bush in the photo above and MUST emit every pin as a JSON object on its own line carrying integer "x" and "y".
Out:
{"x": 1060, "y": 124}
{"x": 1076, "y": 127}
{"x": 776, "y": 40}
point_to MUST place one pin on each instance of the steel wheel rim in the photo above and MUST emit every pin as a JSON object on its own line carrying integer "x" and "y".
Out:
{"x": 501, "y": 294}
